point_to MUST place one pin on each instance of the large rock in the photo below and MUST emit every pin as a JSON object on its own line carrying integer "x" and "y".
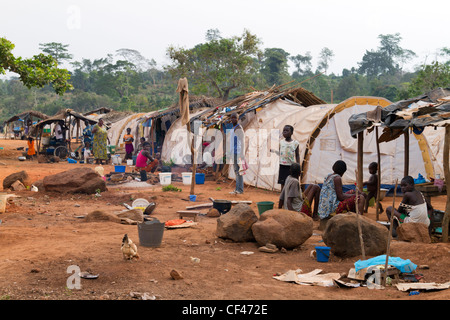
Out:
{"x": 413, "y": 232}
{"x": 237, "y": 223}
{"x": 283, "y": 228}
{"x": 22, "y": 176}
{"x": 341, "y": 234}
{"x": 78, "y": 180}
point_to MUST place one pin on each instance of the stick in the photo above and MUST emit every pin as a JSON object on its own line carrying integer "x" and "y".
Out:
{"x": 390, "y": 233}
{"x": 363, "y": 251}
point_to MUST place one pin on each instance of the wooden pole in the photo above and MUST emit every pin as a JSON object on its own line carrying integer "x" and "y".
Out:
{"x": 194, "y": 164}
{"x": 359, "y": 176}
{"x": 406, "y": 167}
{"x": 391, "y": 226}
{"x": 445, "y": 220}
{"x": 358, "y": 219}
{"x": 379, "y": 175}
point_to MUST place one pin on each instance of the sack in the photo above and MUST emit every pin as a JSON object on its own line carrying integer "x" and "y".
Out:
{"x": 243, "y": 166}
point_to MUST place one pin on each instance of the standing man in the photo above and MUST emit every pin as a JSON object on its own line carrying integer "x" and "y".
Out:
{"x": 237, "y": 152}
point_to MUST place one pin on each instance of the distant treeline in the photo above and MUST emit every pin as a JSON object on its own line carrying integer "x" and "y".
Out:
{"x": 223, "y": 68}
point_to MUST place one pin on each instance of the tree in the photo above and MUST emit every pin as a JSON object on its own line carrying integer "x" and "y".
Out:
{"x": 56, "y": 50}
{"x": 274, "y": 66}
{"x": 223, "y": 64}
{"x": 302, "y": 63}
{"x": 325, "y": 57}
{"x": 35, "y": 72}
{"x": 430, "y": 77}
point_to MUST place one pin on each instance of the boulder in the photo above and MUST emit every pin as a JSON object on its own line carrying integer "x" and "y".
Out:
{"x": 78, "y": 180}
{"x": 22, "y": 176}
{"x": 283, "y": 228}
{"x": 413, "y": 232}
{"x": 341, "y": 234}
{"x": 237, "y": 223}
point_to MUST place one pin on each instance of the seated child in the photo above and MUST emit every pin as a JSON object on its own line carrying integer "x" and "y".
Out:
{"x": 291, "y": 197}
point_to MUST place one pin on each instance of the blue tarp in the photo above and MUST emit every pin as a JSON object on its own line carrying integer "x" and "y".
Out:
{"x": 405, "y": 266}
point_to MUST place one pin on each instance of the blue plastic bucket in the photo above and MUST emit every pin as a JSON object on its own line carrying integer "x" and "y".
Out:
{"x": 192, "y": 197}
{"x": 199, "y": 178}
{"x": 323, "y": 254}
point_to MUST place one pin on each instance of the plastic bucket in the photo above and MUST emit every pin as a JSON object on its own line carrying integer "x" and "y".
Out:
{"x": 3, "y": 197}
{"x": 134, "y": 160}
{"x": 150, "y": 233}
{"x": 192, "y": 197}
{"x": 223, "y": 206}
{"x": 129, "y": 162}
{"x": 323, "y": 254}
{"x": 187, "y": 177}
{"x": 264, "y": 206}
{"x": 165, "y": 178}
{"x": 69, "y": 160}
{"x": 116, "y": 160}
{"x": 199, "y": 178}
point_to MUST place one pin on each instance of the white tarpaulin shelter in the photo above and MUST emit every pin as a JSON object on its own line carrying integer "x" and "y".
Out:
{"x": 324, "y": 135}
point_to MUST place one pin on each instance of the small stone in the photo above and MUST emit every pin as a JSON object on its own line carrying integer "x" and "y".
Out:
{"x": 175, "y": 275}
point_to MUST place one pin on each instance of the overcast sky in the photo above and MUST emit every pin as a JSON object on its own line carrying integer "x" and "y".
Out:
{"x": 95, "y": 28}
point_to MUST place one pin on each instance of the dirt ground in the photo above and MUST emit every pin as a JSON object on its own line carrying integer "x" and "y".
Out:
{"x": 41, "y": 236}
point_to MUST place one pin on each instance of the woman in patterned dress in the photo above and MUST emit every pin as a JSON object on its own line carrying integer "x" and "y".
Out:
{"x": 99, "y": 145}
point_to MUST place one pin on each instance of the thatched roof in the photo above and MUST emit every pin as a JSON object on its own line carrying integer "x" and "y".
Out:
{"x": 195, "y": 102}
{"x": 258, "y": 99}
{"x": 430, "y": 109}
{"x": 62, "y": 116}
{"x": 26, "y": 114}
{"x": 102, "y": 110}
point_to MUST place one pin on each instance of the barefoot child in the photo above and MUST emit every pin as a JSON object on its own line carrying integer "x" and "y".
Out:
{"x": 288, "y": 153}
{"x": 31, "y": 153}
{"x": 372, "y": 186}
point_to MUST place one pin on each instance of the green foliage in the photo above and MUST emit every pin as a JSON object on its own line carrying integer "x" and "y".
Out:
{"x": 171, "y": 188}
{"x": 223, "y": 64}
{"x": 430, "y": 77}
{"x": 34, "y": 72}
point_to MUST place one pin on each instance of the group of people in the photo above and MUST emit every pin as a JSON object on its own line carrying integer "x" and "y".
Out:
{"x": 330, "y": 199}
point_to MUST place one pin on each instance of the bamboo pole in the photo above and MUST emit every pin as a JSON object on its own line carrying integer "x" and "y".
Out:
{"x": 391, "y": 226}
{"x": 445, "y": 220}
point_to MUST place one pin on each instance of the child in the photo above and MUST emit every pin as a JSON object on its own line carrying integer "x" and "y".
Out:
{"x": 372, "y": 186}
{"x": 289, "y": 154}
{"x": 291, "y": 197}
{"x": 128, "y": 139}
{"x": 413, "y": 208}
{"x": 31, "y": 153}
{"x": 87, "y": 151}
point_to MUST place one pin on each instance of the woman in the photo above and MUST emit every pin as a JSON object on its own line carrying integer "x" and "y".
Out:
{"x": 332, "y": 199}
{"x": 100, "y": 142}
{"x": 128, "y": 139}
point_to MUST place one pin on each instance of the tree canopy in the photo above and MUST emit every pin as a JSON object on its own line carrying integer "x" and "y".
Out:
{"x": 36, "y": 71}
